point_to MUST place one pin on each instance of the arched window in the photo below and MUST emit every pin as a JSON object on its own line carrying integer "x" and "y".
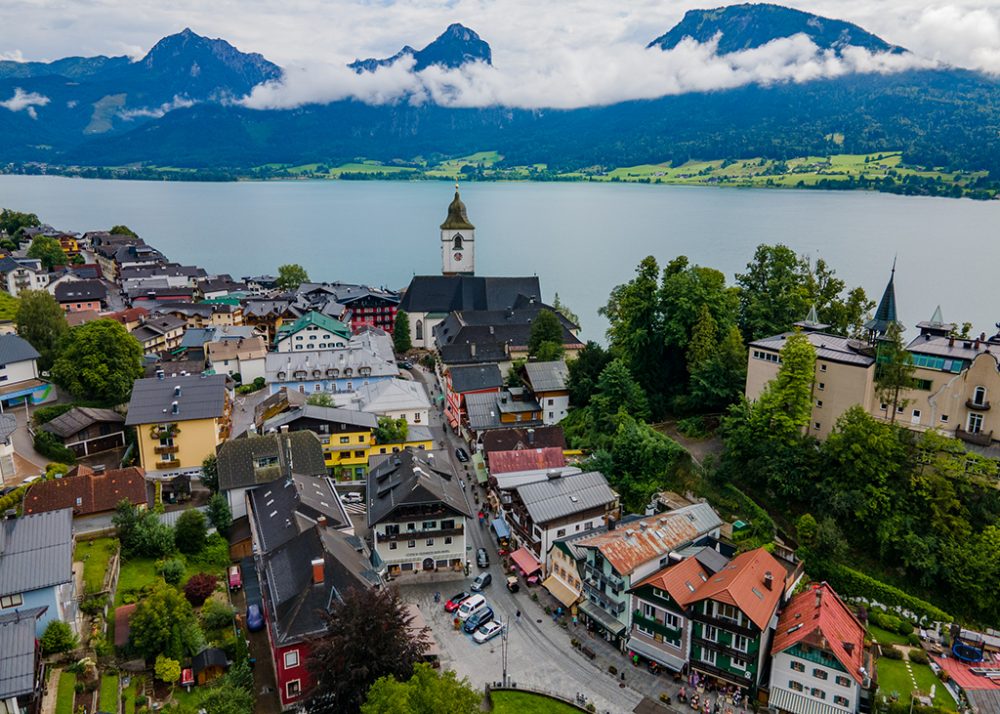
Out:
{"x": 457, "y": 244}
{"x": 419, "y": 329}
{"x": 979, "y": 396}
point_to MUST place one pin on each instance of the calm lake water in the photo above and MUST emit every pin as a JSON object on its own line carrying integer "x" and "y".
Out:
{"x": 581, "y": 239}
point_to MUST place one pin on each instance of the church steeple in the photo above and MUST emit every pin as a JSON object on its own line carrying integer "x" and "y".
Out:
{"x": 885, "y": 314}
{"x": 458, "y": 240}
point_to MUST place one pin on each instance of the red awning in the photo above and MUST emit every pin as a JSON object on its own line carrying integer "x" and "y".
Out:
{"x": 526, "y": 560}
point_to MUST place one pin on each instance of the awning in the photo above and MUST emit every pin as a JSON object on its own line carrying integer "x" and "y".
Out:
{"x": 561, "y": 591}
{"x": 526, "y": 560}
{"x": 501, "y": 528}
{"x": 605, "y": 619}
{"x": 654, "y": 653}
{"x": 788, "y": 701}
{"x": 480, "y": 468}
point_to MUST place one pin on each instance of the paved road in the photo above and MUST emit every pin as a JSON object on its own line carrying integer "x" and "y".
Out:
{"x": 31, "y": 462}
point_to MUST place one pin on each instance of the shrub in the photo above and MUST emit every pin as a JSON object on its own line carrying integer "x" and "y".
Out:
{"x": 199, "y": 588}
{"x": 913, "y": 639}
{"x": 890, "y": 652}
{"x": 905, "y": 627}
{"x": 58, "y": 637}
{"x": 216, "y": 615}
{"x": 172, "y": 570}
{"x": 167, "y": 670}
{"x": 692, "y": 427}
{"x": 47, "y": 412}
{"x": 190, "y": 532}
{"x": 852, "y": 583}
{"x": 49, "y": 446}
{"x": 93, "y": 604}
{"x": 919, "y": 656}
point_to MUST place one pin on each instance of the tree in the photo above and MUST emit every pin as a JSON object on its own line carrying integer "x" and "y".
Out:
{"x": 785, "y": 405}
{"x": 223, "y": 698}
{"x": 190, "y": 532}
{"x": 167, "y": 670}
{"x": 368, "y": 636}
{"x": 199, "y": 588}
{"x": 219, "y": 513}
{"x": 320, "y": 399}
{"x": 893, "y": 370}
{"x": 141, "y": 533}
{"x": 58, "y": 637}
{"x": 391, "y": 431}
{"x": 617, "y": 390}
{"x": 48, "y": 250}
{"x": 163, "y": 623}
{"x": 426, "y": 692}
{"x": 42, "y": 322}
{"x": 210, "y": 473}
{"x": 401, "y": 339}
{"x": 216, "y": 615}
{"x": 121, "y": 230}
{"x": 546, "y": 340}
{"x": 584, "y": 371}
{"x": 719, "y": 380}
{"x": 704, "y": 338}
{"x": 11, "y": 222}
{"x": 291, "y": 276}
{"x": 560, "y": 307}
{"x": 98, "y": 361}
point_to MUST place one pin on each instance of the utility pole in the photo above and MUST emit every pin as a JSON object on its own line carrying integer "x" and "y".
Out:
{"x": 504, "y": 649}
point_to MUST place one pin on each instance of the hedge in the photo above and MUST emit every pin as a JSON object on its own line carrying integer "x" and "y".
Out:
{"x": 45, "y": 414}
{"x": 49, "y": 446}
{"x": 762, "y": 528}
{"x": 12, "y": 499}
{"x": 852, "y": 583}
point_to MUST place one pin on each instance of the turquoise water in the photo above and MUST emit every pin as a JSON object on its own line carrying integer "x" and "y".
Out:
{"x": 581, "y": 239}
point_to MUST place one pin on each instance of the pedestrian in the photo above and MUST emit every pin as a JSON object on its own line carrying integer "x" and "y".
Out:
{"x": 518, "y": 614}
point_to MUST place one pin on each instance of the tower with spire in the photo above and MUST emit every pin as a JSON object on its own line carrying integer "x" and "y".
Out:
{"x": 458, "y": 240}
{"x": 885, "y": 314}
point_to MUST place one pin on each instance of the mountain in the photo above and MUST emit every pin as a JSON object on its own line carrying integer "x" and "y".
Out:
{"x": 745, "y": 27}
{"x": 69, "y": 67}
{"x": 453, "y": 48}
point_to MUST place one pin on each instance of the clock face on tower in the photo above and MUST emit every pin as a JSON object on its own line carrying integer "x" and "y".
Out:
{"x": 458, "y": 256}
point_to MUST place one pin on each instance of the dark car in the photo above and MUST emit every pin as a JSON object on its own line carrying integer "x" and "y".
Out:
{"x": 481, "y": 581}
{"x": 456, "y": 600}
{"x": 255, "y": 620}
{"x": 482, "y": 558}
{"x": 462, "y": 455}
{"x": 479, "y": 619}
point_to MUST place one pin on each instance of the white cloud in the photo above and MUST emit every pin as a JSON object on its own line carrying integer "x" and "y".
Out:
{"x": 12, "y": 56}
{"x": 25, "y": 101}
{"x": 178, "y": 102}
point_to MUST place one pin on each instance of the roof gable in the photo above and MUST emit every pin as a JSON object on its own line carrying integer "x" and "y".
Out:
{"x": 253, "y": 460}
{"x": 408, "y": 479}
{"x": 743, "y": 584}
{"x": 86, "y": 492}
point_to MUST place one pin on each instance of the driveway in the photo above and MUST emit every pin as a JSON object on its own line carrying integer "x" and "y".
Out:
{"x": 27, "y": 461}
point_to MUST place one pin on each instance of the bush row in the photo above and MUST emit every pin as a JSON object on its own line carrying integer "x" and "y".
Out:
{"x": 851, "y": 583}
{"x": 49, "y": 446}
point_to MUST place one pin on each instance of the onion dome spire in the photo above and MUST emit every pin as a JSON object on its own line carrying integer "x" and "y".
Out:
{"x": 457, "y": 218}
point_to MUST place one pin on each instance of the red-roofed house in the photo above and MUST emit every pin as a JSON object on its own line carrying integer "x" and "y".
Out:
{"x": 819, "y": 662}
{"x": 502, "y": 462}
{"x": 88, "y": 492}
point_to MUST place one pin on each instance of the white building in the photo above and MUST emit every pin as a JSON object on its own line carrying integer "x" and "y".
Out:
{"x": 243, "y": 356}
{"x": 393, "y": 398}
{"x": 19, "y": 379}
{"x": 458, "y": 241}
{"x": 17, "y": 274}
{"x": 312, "y": 331}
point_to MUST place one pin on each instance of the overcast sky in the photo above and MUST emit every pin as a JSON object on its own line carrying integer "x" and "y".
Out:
{"x": 565, "y": 53}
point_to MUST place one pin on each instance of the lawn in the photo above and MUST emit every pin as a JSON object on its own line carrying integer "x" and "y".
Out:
{"x": 885, "y": 637}
{"x": 130, "y": 694}
{"x": 95, "y": 556}
{"x": 137, "y": 573}
{"x": 8, "y": 306}
{"x": 109, "y": 693}
{"x": 893, "y": 677}
{"x": 524, "y": 703}
{"x": 65, "y": 693}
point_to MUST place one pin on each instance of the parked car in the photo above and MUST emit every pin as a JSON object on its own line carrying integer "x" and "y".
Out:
{"x": 481, "y": 581}
{"x": 235, "y": 578}
{"x": 405, "y": 364}
{"x": 255, "y": 618}
{"x": 351, "y": 497}
{"x": 472, "y": 605}
{"x": 488, "y": 631}
{"x": 478, "y": 619}
{"x": 455, "y": 601}
{"x": 482, "y": 558}
{"x": 462, "y": 455}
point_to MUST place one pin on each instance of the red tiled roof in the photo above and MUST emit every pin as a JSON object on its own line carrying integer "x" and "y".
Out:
{"x": 122, "y": 616}
{"x": 821, "y": 619}
{"x": 681, "y": 580}
{"x": 741, "y": 583}
{"x": 86, "y": 492}
{"x": 502, "y": 462}
{"x": 131, "y": 314}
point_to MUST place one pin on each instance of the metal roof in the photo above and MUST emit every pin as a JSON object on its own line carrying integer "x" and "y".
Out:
{"x": 834, "y": 348}
{"x": 475, "y": 377}
{"x": 18, "y": 652}
{"x": 336, "y": 415}
{"x": 201, "y": 397}
{"x": 389, "y": 395}
{"x": 79, "y": 418}
{"x": 15, "y": 349}
{"x": 8, "y": 425}
{"x": 547, "y": 376}
{"x": 36, "y": 551}
{"x": 412, "y": 478}
{"x": 558, "y": 497}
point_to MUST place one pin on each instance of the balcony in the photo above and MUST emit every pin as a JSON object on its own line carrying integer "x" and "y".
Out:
{"x": 165, "y": 449}
{"x": 983, "y": 406}
{"x": 723, "y": 624}
{"x": 167, "y": 465}
{"x": 979, "y": 438}
{"x": 654, "y": 625}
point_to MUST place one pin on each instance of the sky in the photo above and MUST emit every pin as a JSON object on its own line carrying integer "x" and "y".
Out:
{"x": 556, "y": 54}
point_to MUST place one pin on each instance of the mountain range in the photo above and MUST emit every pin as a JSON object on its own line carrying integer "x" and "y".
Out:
{"x": 177, "y": 106}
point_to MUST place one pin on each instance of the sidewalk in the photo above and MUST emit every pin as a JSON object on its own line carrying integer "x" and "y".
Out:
{"x": 49, "y": 700}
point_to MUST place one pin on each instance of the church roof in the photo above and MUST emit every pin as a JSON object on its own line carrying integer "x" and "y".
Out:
{"x": 885, "y": 315}
{"x": 457, "y": 218}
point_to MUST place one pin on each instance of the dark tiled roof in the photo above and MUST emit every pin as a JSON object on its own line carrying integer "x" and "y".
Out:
{"x": 79, "y": 290}
{"x": 297, "y": 452}
{"x": 79, "y": 418}
{"x": 284, "y": 508}
{"x": 209, "y": 657}
{"x": 333, "y": 415}
{"x": 86, "y": 492}
{"x": 15, "y": 349}
{"x": 36, "y": 551}
{"x": 475, "y": 378}
{"x": 440, "y": 293}
{"x": 515, "y": 439}
{"x": 409, "y": 479}
{"x": 18, "y": 652}
{"x": 201, "y": 397}
{"x": 462, "y": 354}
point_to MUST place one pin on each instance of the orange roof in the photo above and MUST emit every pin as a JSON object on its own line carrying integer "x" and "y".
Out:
{"x": 526, "y": 560}
{"x": 123, "y": 615}
{"x": 741, "y": 583}
{"x": 87, "y": 492}
{"x": 820, "y": 618}
{"x": 502, "y": 462}
{"x": 681, "y": 580}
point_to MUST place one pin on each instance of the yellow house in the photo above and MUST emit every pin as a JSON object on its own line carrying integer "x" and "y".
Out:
{"x": 179, "y": 420}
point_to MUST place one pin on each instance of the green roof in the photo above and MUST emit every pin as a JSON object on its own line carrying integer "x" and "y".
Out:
{"x": 324, "y": 322}
{"x": 457, "y": 218}
{"x": 233, "y": 300}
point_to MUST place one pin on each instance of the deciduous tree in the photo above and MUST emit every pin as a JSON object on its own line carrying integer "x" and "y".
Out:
{"x": 291, "y": 276}
{"x": 164, "y": 624}
{"x": 220, "y": 514}
{"x": 210, "y": 473}
{"x": 42, "y": 322}
{"x": 584, "y": 371}
{"x": 320, "y": 399}
{"x": 546, "y": 340}
{"x": 48, "y": 250}
{"x": 426, "y": 692}
{"x": 893, "y": 370}
{"x": 391, "y": 431}
{"x": 122, "y": 230}
{"x": 98, "y": 361}
{"x": 167, "y": 670}
{"x": 190, "y": 531}
{"x": 401, "y": 340}
{"x": 11, "y": 222}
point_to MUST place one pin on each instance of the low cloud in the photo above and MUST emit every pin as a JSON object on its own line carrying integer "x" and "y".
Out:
{"x": 565, "y": 79}
{"x": 178, "y": 102}
{"x": 26, "y": 102}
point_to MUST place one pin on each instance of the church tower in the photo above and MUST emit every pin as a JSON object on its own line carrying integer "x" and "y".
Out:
{"x": 458, "y": 241}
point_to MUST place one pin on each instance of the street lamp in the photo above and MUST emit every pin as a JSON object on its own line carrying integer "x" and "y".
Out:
{"x": 504, "y": 649}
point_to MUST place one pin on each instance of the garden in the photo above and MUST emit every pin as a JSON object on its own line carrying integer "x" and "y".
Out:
{"x": 508, "y": 702}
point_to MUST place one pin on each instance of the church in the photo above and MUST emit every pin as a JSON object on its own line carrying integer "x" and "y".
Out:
{"x": 429, "y": 299}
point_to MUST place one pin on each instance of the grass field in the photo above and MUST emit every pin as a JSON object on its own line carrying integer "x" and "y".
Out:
{"x": 130, "y": 693}
{"x": 109, "y": 693}
{"x": 893, "y": 677}
{"x": 885, "y": 637}
{"x": 525, "y": 703}
{"x": 65, "y": 693}
{"x": 8, "y": 306}
{"x": 95, "y": 556}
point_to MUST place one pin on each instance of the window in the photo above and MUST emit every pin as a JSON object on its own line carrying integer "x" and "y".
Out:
{"x": 820, "y": 674}
{"x": 710, "y": 633}
{"x": 843, "y": 681}
{"x": 841, "y": 701}
{"x": 448, "y": 525}
{"x": 944, "y": 418}
{"x": 740, "y": 643}
{"x": 561, "y": 532}
{"x": 819, "y": 403}
{"x": 883, "y": 406}
{"x": 794, "y": 686}
{"x": 975, "y": 423}
{"x": 767, "y": 356}
{"x": 430, "y": 541}
{"x": 392, "y": 545}
{"x": 671, "y": 620}
{"x": 979, "y": 396}
{"x": 345, "y": 440}
{"x": 429, "y": 525}
{"x": 738, "y": 663}
{"x": 411, "y": 544}
{"x": 727, "y": 612}
{"x": 359, "y": 454}
{"x": 648, "y": 611}
{"x": 11, "y": 601}
{"x": 293, "y": 689}
{"x": 818, "y": 693}
{"x": 551, "y": 402}
{"x": 798, "y": 667}
{"x": 291, "y": 659}
{"x": 708, "y": 656}
{"x": 821, "y": 386}
{"x": 822, "y": 367}
{"x": 416, "y": 418}
{"x": 361, "y": 439}
{"x": 817, "y": 426}
{"x": 447, "y": 540}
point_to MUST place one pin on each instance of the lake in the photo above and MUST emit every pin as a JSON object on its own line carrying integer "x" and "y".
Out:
{"x": 581, "y": 239}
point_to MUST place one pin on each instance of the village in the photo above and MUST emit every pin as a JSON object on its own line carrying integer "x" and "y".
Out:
{"x": 201, "y": 466}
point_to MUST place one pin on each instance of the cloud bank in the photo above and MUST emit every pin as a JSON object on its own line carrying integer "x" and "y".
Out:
{"x": 25, "y": 101}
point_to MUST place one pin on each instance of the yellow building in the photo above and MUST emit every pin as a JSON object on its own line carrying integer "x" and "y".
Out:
{"x": 179, "y": 420}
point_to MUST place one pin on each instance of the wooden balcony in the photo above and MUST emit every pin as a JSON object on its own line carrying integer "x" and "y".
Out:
{"x": 165, "y": 449}
{"x": 980, "y": 438}
{"x": 983, "y": 406}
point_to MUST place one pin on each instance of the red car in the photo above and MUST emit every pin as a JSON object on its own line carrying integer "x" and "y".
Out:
{"x": 235, "y": 578}
{"x": 456, "y": 600}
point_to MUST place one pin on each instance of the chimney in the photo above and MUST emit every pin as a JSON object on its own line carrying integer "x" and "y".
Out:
{"x": 819, "y": 597}
{"x": 611, "y": 524}
{"x": 975, "y": 345}
{"x": 177, "y": 390}
{"x": 317, "y": 567}
{"x": 321, "y": 521}
{"x": 472, "y": 349}
{"x": 175, "y": 408}
{"x": 951, "y": 341}
{"x": 99, "y": 469}
{"x": 768, "y": 580}
{"x": 531, "y": 437}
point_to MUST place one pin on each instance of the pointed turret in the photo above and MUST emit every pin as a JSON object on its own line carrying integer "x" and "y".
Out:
{"x": 458, "y": 219}
{"x": 936, "y": 326}
{"x": 885, "y": 314}
{"x": 811, "y": 323}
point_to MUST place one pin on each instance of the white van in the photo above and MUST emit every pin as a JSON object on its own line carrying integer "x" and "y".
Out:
{"x": 470, "y": 607}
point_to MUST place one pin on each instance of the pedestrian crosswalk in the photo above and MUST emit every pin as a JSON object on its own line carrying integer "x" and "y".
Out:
{"x": 358, "y": 509}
